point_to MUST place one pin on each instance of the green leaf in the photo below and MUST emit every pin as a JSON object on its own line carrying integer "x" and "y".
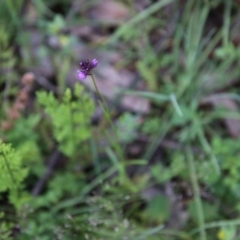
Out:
{"x": 70, "y": 118}
{"x": 158, "y": 209}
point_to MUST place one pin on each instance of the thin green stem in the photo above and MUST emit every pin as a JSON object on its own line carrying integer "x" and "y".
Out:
{"x": 219, "y": 224}
{"x": 100, "y": 95}
{"x": 115, "y": 144}
{"x": 206, "y": 146}
{"x": 175, "y": 104}
{"x": 196, "y": 191}
{"x": 227, "y": 17}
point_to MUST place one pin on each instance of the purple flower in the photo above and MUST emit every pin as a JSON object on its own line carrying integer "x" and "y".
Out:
{"x": 86, "y": 67}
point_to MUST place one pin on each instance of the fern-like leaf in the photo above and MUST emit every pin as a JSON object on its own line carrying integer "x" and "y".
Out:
{"x": 70, "y": 118}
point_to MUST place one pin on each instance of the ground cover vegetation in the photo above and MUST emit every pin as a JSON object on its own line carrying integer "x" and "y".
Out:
{"x": 120, "y": 119}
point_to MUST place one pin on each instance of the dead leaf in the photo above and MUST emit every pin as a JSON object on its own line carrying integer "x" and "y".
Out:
{"x": 31, "y": 13}
{"x": 110, "y": 12}
{"x": 233, "y": 125}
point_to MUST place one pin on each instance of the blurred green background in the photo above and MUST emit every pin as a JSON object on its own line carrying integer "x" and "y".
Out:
{"x": 147, "y": 147}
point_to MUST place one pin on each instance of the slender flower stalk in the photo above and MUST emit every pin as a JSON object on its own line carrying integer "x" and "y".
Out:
{"x": 86, "y": 67}
{"x": 101, "y": 96}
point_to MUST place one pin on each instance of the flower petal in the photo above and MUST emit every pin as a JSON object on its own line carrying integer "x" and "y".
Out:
{"x": 94, "y": 63}
{"x": 81, "y": 74}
